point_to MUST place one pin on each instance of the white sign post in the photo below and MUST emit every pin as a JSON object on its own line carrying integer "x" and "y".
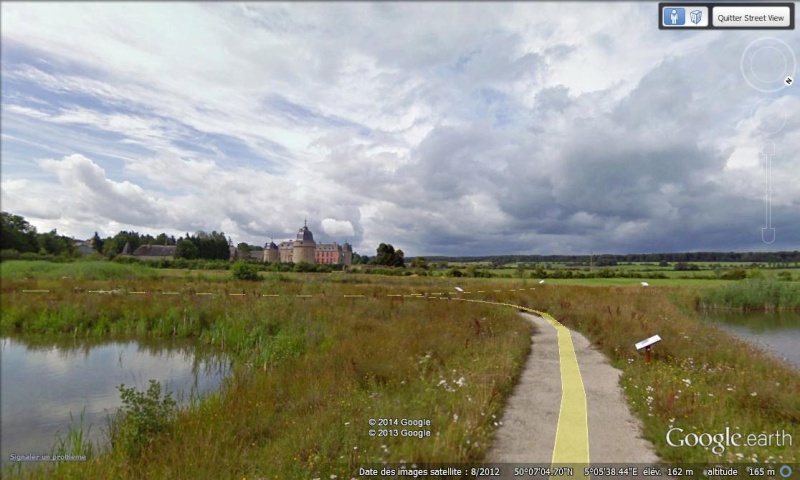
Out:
{"x": 646, "y": 344}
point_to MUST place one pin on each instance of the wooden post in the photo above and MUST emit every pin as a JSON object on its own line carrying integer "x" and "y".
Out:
{"x": 647, "y": 354}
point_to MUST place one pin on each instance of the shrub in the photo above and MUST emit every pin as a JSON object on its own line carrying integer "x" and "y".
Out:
{"x": 453, "y": 272}
{"x": 245, "y": 271}
{"x": 304, "y": 267}
{"x": 734, "y": 275}
{"x": 143, "y": 415}
{"x": 9, "y": 254}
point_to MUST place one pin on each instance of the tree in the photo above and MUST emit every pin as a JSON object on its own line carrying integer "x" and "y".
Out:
{"x": 399, "y": 259}
{"x": 17, "y": 234}
{"x": 244, "y": 250}
{"x": 110, "y": 249}
{"x": 97, "y": 243}
{"x": 388, "y": 256}
{"x": 186, "y": 249}
{"x": 360, "y": 259}
{"x": 419, "y": 262}
{"x": 163, "y": 239}
{"x": 54, "y": 244}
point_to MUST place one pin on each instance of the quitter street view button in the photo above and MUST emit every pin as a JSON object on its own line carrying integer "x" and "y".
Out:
{"x": 751, "y": 16}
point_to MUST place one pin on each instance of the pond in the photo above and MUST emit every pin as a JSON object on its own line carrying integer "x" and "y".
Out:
{"x": 777, "y": 332}
{"x": 42, "y": 383}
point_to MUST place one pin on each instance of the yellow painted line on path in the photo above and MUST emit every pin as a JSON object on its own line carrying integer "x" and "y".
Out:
{"x": 237, "y": 294}
{"x": 354, "y": 296}
{"x": 137, "y": 292}
{"x": 35, "y": 291}
{"x": 572, "y": 433}
{"x": 270, "y": 295}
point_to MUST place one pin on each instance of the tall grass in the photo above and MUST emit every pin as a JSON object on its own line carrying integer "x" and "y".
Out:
{"x": 309, "y": 374}
{"x": 77, "y": 439}
{"x": 81, "y": 270}
{"x": 755, "y": 295}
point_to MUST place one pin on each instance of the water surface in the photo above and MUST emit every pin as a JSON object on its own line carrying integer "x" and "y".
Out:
{"x": 777, "y": 333}
{"x": 42, "y": 383}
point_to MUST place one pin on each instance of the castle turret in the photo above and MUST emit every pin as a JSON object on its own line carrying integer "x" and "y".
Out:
{"x": 271, "y": 253}
{"x": 304, "y": 246}
{"x": 347, "y": 254}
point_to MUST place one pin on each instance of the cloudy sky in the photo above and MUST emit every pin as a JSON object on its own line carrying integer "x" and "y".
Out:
{"x": 442, "y": 128}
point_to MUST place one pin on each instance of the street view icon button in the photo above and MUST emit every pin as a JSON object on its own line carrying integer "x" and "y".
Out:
{"x": 674, "y": 16}
{"x": 684, "y": 16}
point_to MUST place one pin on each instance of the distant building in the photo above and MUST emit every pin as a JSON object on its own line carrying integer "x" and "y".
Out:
{"x": 155, "y": 252}
{"x": 84, "y": 247}
{"x": 305, "y": 249}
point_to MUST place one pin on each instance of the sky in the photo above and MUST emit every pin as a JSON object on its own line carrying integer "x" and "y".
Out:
{"x": 457, "y": 129}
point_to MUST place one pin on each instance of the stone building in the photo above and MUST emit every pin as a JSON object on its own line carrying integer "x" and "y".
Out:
{"x": 305, "y": 249}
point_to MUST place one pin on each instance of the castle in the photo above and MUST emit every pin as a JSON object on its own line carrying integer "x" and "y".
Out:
{"x": 304, "y": 249}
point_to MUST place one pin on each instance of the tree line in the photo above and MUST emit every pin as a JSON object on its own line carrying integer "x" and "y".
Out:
{"x": 17, "y": 235}
{"x": 783, "y": 257}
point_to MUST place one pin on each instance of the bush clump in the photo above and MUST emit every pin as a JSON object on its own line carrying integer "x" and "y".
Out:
{"x": 245, "y": 271}
{"x": 143, "y": 415}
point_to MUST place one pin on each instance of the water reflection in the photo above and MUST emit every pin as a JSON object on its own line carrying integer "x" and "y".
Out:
{"x": 43, "y": 381}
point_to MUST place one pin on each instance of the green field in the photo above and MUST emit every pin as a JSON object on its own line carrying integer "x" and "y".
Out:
{"x": 310, "y": 371}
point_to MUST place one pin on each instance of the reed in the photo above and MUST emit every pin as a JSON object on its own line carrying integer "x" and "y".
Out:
{"x": 755, "y": 295}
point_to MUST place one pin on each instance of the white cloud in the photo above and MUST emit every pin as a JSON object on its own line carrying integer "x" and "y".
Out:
{"x": 439, "y": 127}
{"x": 337, "y": 228}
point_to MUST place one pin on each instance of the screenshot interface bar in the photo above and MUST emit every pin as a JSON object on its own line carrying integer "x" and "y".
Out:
{"x": 740, "y": 16}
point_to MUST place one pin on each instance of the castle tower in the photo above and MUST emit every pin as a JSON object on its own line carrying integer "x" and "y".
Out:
{"x": 271, "y": 253}
{"x": 347, "y": 254}
{"x": 304, "y": 246}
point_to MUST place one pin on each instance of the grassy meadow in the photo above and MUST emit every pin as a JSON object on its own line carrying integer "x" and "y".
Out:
{"x": 310, "y": 372}
{"x": 312, "y": 365}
